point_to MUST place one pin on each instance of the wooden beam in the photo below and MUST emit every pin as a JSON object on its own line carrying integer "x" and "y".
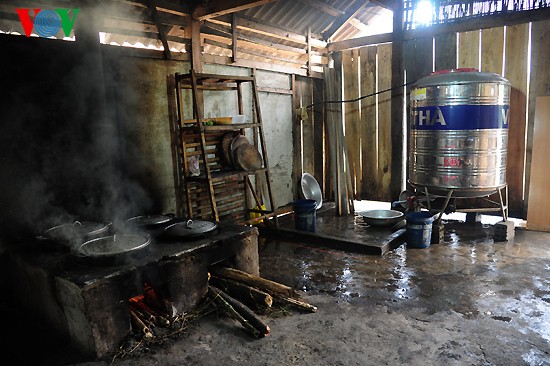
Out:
{"x": 344, "y": 19}
{"x": 217, "y": 8}
{"x": 150, "y": 35}
{"x": 484, "y": 22}
{"x": 251, "y": 52}
{"x": 174, "y": 7}
{"x": 386, "y": 4}
{"x": 276, "y": 30}
{"x": 359, "y": 42}
{"x": 196, "y": 49}
{"x": 277, "y": 46}
{"x": 252, "y": 26}
{"x": 308, "y": 51}
{"x": 250, "y": 45}
{"x": 397, "y": 129}
{"x": 325, "y": 8}
{"x": 223, "y": 60}
{"x": 274, "y": 90}
{"x": 359, "y": 25}
{"x": 467, "y": 25}
{"x": 234, "y": 37}
{"x": 152, "y": 4}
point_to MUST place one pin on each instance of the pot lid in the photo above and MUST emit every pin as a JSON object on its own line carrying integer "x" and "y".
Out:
{"x": 107, "y": 246}
{"x": 146, "y": 220}
{"x": 75, "y": 229}
{"x": 190, "y": 228}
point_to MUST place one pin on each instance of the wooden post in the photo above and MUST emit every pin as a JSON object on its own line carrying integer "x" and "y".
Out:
{"x": 397, "y": 139}
{"x": 196, "y": 48}
{"x": 234, "y": 37}
{"x": 296, "y": 136}
{"x": 308, "y": 51}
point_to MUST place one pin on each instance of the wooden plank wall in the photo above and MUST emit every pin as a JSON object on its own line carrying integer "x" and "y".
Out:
{"x": 367, "y": 121}
{"x": 538, "y": 216}
{"x": 539, "y": 85}
{"x": 368, "y": 132}
{"x": 384, "y": 124}
{"x": 369, "y": 141}
{"x": 516, "y": 71}
{"x": 308, "y": 133}
{"x": 468, "y": 50}
{"x": 350, "y": 63}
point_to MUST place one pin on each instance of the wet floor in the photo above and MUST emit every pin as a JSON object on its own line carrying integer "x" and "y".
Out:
{"x": 467, "y": 301}
{"x": 468, "y": 274}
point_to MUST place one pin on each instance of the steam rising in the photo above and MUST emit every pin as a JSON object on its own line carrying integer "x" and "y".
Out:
{"x": 63, "y": 150}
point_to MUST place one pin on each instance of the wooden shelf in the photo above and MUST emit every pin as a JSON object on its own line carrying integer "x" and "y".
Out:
{"x": 226, "y": 174}
{"x": 219, "y": 193}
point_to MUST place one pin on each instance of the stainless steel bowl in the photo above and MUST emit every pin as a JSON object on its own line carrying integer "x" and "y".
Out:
{"x": 382, "y": 217}
{"x": 311, "y": 189}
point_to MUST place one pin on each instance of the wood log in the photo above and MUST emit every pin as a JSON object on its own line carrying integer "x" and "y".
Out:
{"x": 146, "y": 319}
{"x": 296, "y": 303}
{"x": 152, "y": 314}
{"x": 263, "y": 284}
{"x": 247, "y": 294}
{"x": 240, "y": 312}
{"x": 144, "y": 329}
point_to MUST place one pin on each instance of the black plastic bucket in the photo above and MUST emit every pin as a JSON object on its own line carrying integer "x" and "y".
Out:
{"x": 304, "y": 215}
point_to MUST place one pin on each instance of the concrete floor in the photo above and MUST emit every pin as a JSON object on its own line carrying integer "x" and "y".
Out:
{"x": 469, "y": 301}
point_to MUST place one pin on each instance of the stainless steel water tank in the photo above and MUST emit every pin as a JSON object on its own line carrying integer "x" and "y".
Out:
{"x": 459, "y": 133}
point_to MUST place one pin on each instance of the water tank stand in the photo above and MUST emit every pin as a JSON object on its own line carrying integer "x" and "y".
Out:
{"x": 500, "y": 206}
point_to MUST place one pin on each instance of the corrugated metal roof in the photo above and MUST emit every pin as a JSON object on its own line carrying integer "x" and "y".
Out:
{"x": 129, "y": 23}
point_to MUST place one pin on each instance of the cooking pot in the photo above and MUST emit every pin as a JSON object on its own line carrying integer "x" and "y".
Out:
{"x": 114, "y": 249}
{"x": 71, "y": 235}
{"x": 190, "y": 229}
{"x": 149, "y": 221}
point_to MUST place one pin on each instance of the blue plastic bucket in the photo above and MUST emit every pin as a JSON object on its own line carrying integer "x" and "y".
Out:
{"x": 304, "y": 215}
{"x": 419, "y": 229}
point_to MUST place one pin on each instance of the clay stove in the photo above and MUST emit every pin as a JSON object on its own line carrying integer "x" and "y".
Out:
{"x": 89, "y": 303}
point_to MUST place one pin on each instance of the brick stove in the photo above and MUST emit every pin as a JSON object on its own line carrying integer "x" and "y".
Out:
{"x": 89, "y": 303}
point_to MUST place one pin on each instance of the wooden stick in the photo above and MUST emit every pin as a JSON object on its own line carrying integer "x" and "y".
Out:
{"x": 296, "y": 303}
{"x": 214, "y": 293}
{"x": 153, "y": 315}
{"x": 263, "y": 284}
{"x": 144, "y": 318}
{"x": 247, "y": 294}
{"x": 141, "y": 325}
{"x": 244, "y": 311}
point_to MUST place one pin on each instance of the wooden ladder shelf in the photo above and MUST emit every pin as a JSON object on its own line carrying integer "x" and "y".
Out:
{"x": 219, "y": 190}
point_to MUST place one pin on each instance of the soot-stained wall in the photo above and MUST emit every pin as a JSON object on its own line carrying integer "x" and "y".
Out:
{"x": 60, "y": 146}
{"x": 89, "y": 140}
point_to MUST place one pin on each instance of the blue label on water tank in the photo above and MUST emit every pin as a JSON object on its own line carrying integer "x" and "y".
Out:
{"x": 461, "y": 117}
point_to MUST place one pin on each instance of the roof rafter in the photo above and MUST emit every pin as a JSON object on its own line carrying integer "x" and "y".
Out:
{"x": 152, "y": 5}
{"x": 217, "y": 8}
{"x": 325, "y": 8}
{"x": 344, "y": 19}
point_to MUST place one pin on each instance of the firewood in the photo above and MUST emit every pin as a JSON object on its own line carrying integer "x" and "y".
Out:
{"x": 296, "y": 303}
{"x": 152, "y": 314}
{"x": 141, "y": 325}
{"x": 263, "y": 284}
{"x": 144, "y": 318}
{"x": 240, "y": 312}
{"x": 247, "y": 294}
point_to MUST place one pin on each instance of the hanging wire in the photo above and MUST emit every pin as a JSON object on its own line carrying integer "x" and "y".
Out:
{"x": 358, "y": 98}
